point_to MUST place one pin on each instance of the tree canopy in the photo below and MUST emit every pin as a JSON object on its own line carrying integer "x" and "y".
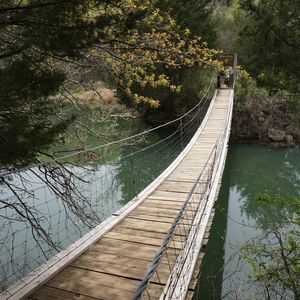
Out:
{"x": 44, "y": 43}
{"x": 269, "y": 43}
{"x": 199, "y": 20}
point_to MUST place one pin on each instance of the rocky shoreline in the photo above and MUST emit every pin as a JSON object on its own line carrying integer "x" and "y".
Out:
{"x": 269, "y": 121}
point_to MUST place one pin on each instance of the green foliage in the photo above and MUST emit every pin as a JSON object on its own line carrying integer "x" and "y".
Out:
{"x": 46, "y": 44}
{"x": 194, "y": 83}
{"x": 195, "y": 15}
{"x": 248, "y": 92}
{"x": 275, "y": 256}
{"x": 289, "y": 207}
{"x": 249, "y": 108}
{"x": 33, "y": 35}
{"x": 26, "y": 115}
{"x": 46, "y": 28}
{"x": 269, "y": 43}
{"x": 225, "y": 16}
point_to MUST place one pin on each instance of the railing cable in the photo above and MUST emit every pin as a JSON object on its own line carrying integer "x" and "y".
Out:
{"x": 120, "y": 141}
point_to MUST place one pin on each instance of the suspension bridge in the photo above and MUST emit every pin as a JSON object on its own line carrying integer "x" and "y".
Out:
{"x": 149, "y": 248}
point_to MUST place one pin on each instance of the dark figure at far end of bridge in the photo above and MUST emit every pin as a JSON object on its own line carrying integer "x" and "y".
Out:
{"x": 229, "y": 77}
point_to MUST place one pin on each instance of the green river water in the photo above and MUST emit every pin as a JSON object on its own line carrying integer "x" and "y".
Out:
{"x": 250, "y": 169}
{"x": 111, "y": 177}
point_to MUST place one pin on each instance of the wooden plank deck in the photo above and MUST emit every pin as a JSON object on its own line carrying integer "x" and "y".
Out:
{"x": 113, "y": 266}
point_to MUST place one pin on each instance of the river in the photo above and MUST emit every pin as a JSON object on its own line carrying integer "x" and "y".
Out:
{"x": 250, "y": 169}
{"x": 108, "y": 177}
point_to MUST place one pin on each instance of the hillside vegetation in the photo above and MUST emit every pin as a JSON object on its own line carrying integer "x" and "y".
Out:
{"x": 155, "y": 56}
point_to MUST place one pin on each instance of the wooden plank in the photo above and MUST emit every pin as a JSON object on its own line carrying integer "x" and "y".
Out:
{"x": 198, "y": 153}
{"x": 91, "y": 289}
{"x": 184, "y": 176}
{"x": 168, "y": 205}
{"x": 49, "y": 293}
{"x": 175, "y": 186}
{"x": 151, "y": 226}
{"x": 206, "y": 141}
{"x": 188, "y": 167}
{"x": 120, "y": 265}
{"x": 221, "y": 111}
{"x": 189, "y": 295}
{"x": 115, "y": 259}
{"x": 173, "y": 203}
{"x": 129, "y": 259}
{"x": 203, "y": 179}
{"x": 162, "y": 204}
{"x": 163, "y": 212}
{"x": 196, "y": 272}
{"x": 156, "y": 211}
{"x": 145, "y": 233}
{"x": 191, "y": 178}
{"x": 150, "y": 218}
{"x": 184, "y": 186}
{"x": 140, "y": 239}
{"x": 198, "y": 158}
{"x": 190, "y": 164}
{"x": 125, "y": 248}
{"x": 133, "y": 270}
{"x": 97, "y": 285}
{"x": 186, "y": 219}
{"x": 213, "y": 124}
{"x": 153, "y": 215}
{"x": 129, "y": 249}
{"x": 213, "y": 136}
{"x": 121, "y": 270}
{"x": 167, "y": 195}
{"x": 187, "y": 171}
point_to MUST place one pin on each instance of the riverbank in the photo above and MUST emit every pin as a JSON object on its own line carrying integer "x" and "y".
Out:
{"x": 264, "y": 119}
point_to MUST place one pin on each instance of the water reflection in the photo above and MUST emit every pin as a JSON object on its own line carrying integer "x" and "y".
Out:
{"x": 23, "y": 246}
{"x": 100, "y": 189}
{"x": 210, "y": 283}
{"x": 260, "y": 170}
{"x": 140, "y": 167}
{"x": 250, "y": 170}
